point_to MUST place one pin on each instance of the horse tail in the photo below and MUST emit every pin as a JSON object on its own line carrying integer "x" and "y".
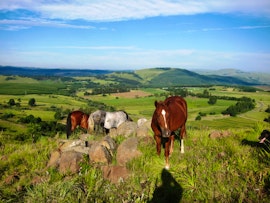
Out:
{"x": 68, "y": 127}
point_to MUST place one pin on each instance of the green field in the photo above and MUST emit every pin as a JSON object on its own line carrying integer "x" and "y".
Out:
{"x": 211, "y": 170}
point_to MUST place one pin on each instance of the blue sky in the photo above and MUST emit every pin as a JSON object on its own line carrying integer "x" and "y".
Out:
{"x": 127, "y": 34}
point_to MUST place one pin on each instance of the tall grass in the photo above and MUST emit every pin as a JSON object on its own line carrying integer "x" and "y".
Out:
{"x": 210, "y": 170}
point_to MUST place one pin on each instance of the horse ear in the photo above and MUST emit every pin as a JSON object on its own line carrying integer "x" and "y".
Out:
{"x": 156, "y": 103}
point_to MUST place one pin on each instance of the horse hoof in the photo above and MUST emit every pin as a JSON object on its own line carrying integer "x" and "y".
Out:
{"x": 167, "y": 167}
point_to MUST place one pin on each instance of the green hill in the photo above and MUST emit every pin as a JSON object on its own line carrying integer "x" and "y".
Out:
{"x": 154, "y": 77}
{"x": 160, "y": 77}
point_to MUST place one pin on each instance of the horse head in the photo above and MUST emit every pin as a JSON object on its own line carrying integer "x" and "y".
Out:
{"x": 162, "y": 114}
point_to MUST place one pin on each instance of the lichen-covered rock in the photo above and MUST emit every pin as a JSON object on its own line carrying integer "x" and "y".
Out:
{"x": 115, "y": 174}
{"x": 127, "y": 150}
{"x": 69, "y": 162}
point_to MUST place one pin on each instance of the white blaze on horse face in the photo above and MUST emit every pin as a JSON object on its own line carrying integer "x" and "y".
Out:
{"x": 163, "y": 112}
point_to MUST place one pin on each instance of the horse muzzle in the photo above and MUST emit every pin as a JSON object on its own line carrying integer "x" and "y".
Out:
{"x": 165, "y": 132}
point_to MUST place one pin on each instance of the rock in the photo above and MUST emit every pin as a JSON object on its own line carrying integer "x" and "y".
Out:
{"x": 99, "y": 154}
{"x": 219, "y": 134}
{"x": 54, "y": 159}
{"x": 127, "y": 150}
{"x": 80, "y": 149}
{"x": 71, "y": 143}
{"x": 109, "y": 143}
{"x": 69, "y": 162}
{"x": 126, "y": 129}
{"x": 141, "y": 121}
{"x": 144, "y": 129}
{"x": 115, "y": 174}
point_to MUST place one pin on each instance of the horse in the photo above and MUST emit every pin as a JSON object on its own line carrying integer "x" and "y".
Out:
{"x": 74, "y": 119}
{"x": 169, "y": 116}
{"x": 115, "y": 119}
{"x": 96, "y": 121}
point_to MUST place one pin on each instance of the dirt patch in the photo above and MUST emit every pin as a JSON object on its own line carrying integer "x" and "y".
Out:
{"x": 132, "y": 94}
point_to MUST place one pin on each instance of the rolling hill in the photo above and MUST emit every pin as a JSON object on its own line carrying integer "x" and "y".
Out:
{"x": 154, "y": 77}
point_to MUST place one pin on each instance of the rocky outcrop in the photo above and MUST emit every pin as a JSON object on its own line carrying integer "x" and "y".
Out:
{"x": 69, "y": 154}
{"x": 130, "y": 129}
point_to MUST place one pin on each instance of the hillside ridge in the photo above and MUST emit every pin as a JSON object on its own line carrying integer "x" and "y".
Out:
{"x": 156, "y": 77}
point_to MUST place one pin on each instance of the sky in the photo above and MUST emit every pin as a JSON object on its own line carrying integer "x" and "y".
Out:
{"x": 136, "y": 34}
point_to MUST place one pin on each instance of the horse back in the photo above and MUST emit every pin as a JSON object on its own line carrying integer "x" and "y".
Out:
{"x": 178, "y": 111}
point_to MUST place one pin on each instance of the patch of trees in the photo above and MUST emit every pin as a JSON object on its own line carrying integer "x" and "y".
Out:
{"x": 247, "y": 89}
{"x": 32, "y": 102}
{"x": 212, "y": 100}
{"x": 109, "y": 89}
{"x": 37, "y": 128}
{"x": 242, "y": 106}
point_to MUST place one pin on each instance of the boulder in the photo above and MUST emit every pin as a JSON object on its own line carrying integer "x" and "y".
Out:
{"x": 98, "y": 153}
{"x": 144, "y": 129}
{"x": 219, "y": 134}
{"x": 141, "y": 121}
{"x": 109, "y": 143}
{"x": 127, "y": 129}
{"x": 127, "y": 150}
{"x": 115, "y": 174}
{"x": 54, "y": 159}
{"x": 66, "y": 145}
{"x": 69, "y": 162}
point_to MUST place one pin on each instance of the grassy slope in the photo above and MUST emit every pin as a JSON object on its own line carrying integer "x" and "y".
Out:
{"x": 218, "y": 170}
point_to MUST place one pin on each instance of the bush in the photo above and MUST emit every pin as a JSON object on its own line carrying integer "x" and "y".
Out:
{"x": 212, "y": 100}
{"x": 32, "y": 102}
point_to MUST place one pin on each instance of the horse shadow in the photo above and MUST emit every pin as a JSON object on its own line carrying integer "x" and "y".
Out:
{"x": 169, "y": 192}
{"x": 257, "y": 145}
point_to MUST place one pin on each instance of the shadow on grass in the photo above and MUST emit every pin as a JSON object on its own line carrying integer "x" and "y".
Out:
{"x": 258, "y": 145}
{"x": 170, "y": 190}
{"x": 263, "y": 150}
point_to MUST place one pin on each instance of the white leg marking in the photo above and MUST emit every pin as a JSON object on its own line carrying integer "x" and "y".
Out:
{"x": 182, "y": 146}
{"x": 167, "y": 167}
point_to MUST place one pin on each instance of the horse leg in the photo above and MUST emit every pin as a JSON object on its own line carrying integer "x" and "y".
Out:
{"x": 172, "y": 143}
{"x": 158, "y": 144}
{"x": 182, "y": 146}
{"x": 167, "y": 152}
{"x": 183, "y": 133}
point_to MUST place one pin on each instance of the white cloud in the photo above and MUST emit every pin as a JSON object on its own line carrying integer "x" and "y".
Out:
{"x": 111, "y": 10}
{"x": 27, "y": 23}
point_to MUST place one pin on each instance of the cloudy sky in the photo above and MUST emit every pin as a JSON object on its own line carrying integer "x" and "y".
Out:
{"x": 135, "y": 34}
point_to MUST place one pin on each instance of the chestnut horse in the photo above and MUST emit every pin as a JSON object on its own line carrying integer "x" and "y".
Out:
{"x": 169, "y": 116}
{"x": 74, "y": 119}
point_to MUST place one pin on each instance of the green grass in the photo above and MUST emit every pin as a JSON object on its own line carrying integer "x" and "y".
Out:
{"x": 210, "y": 170}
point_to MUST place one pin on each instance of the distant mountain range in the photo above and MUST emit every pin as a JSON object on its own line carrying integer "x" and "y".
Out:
{"x": 25, "y": 71}
{"x": 153, "y": 76}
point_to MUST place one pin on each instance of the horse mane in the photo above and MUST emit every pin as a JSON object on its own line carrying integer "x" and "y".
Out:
{"x": 128, "y": 117}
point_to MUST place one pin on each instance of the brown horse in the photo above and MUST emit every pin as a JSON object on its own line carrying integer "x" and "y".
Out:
{"x": 74, "y": 119}
{"x": 169, "y": 116}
